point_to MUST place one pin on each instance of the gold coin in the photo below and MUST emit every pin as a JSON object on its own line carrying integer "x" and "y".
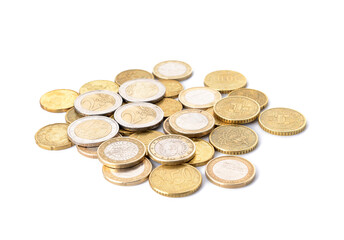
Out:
{"x": 175, "y": 181}
{"x": 230, "y": 171}
{"x": 72, "y": 115}
{"x": 128, "y": 176}
{"x": 146, "y": 136}
{"x": 125, "y": 132}
{"x": 282, "y": 121}
{"x": 59, "y": 100}
{"x": 225, "y": 81}
{"x": 256, "y": 95}
{"x": 233, "y": 139}
{"x": 90, "y": 152}
{"x": 173, "y": 87}
{"x": 172, "y": 69}
{"x": 169, "y": 106}
{"x": 132, "y": 74}
{"x": 218, "y": 122}
{"x": 99, "y": 85}
{"x": 204, "y": 152}
{"x": 199, "y": 97}
{"x": 53, "y": 137}
{"x": 237, "y": 109}
{"x": 166, "y": 126}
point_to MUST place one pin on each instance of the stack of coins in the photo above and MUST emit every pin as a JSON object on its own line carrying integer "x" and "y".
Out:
{"x": 114, "y": 121}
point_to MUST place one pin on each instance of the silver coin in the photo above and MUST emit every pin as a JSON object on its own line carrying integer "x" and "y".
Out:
{"x": 142, "y": 90}
{"x": 98, "y": 102}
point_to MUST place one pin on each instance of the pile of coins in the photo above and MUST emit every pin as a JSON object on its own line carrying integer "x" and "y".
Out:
{"x": 113, "y": 122}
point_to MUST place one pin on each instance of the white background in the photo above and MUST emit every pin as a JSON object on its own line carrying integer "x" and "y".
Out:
{"x": 291, "y": 50}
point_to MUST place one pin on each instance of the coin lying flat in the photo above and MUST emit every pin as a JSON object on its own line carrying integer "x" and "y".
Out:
{"x": 256, "y": 95}
{"x": 175, "y": 181}
{"x": 204, "y": 152}
{"x": 169, "y": 106}
{"x": 225, "y": 81}
{"x": 142, "y": 90}
{"x": 92, "y": 131}
{"x": 59, "y": 100}
{"x": 237, "y": 109}
{"x": 218, "y": 122}
{"x": 53, "y": 137}
{"x": 282, "y": 121}
{"x": 173, "y": 87}
{"x": 172, "y": 69}
{"x": 230, "y": 171}
{"x": 128, "y": 176}
{"x": 72, "y": 115}
{"x": 121, "y": 152}
{"x": 146, "y": 137}
{"x": 132, "y": 74}
{"x": 99, "y": 85}
{"x": 199, "y": 97}
{"x": 233, "y": 139}
{"x": 166, "y": 126}
{"x": 90, "y": 152}
{"x": 171, "y": 149}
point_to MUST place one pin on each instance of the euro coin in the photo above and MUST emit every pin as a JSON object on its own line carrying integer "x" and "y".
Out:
{"x": 199, "y": 97}
{"x": 59, "y": 100}
{"x": 90, "y": 152}
{"x": 204, "y": 152}
{"x": 218, "y": 122}
{"x": 99, "y": 85}
{"x": 225, "y": 81}
{"x": 172, "y": 69}
{"x": 146, "y": 137}
{"x": 72, "y": 115}
{"x": 166, "y": 126}
{"x": 256, "y": 95}
{"x": 132, "y": 74}
{"x": 169, "y": 106}
{"x": 53, "y": 137}
{"x": 173, "y": 87}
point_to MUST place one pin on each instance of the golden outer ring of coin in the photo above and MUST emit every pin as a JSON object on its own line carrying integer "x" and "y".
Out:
{"x": 208, "y": 149}
{"x": 173, "y": 87}
{"x": 166, "y": 126}
{"x": 72, "y": 115}
{"x": 51, "y": 107}
{"x": 253, "y": 117}
{"x": 240, "y": 91}
{"x": 153, "y": 178}
{"x": 183, "y": 100}
{"x": 128, "y": 181}
{"x": 218, "y": 122}
{"x": 169, "y": 106}
{"x": 146, "y": 137}
{"x": 209, "y": 83}
{"x": 63, "y": 127}
{"x": 138, "y": 72}
{"x": 99, "y": 85}
{"x": 230, "y": 183}
{"x": 88, "y": 152}
{"x": 184, "y": 76}
{"x": 280, "y": 132}
{"x": 125, "y": 132}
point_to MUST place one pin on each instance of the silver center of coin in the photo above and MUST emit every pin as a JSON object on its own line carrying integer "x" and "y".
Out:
{"x": 200, "y": 97}
{"x": 230, "y": 170}
{"x": 171, "y": 69}
{"x": 130, "y": 172}
{"x": 121, "y": 150}
{"x": 171, "y": 147}
{"x": 192, "y": 121}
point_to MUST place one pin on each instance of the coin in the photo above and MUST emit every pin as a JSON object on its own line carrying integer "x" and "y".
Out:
{"x": 192, "y": 122}
{"x": 72, "y": 115}
{"x": 92, "y": 131}
{"x": 53, "y": 137}
{"x": 99, "y": 85}
{"x": 166, "y": 126}
{"x": 225, "y": 81}
{"x": 230, "y": 171}
{"x": 90, "y": 152}
{"x": 199, "y": 97}
{"x": 256, "y": 95}
{"x": 139, "y": 116}
{"x": 218, "y": 122}
{"x": 282, "y": 121}
{"x": 132, "y": 74}
{"x": 204, "y": 152}
{"x": 146, "y": 137}
{"x": 125, "y": 132}
{"x": 233, "y": 139}
{"x": 237, "y": 109}
{"x": 121, "y": 152}
{"x": 59, "y": 100}
{"x": 171, "y": 149}
{"x": 173, "y": 87}
{"x": 128, "y": 176}
{"x": 169, "y": 106}
{"x": 172, "y": 69}
{"x": 175, "y": 181}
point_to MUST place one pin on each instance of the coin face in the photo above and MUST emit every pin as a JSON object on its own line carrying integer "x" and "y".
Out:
{"x": 282, "y": 121}
{"x": 92, "y": 131}
{"x": 121, "y": 152}
{"x": 225, "y": 81}
{"x": 171, "y": 149}
{"x": 173, "y": 87}
{"x": 233, "y": 139}
{"x": 218, "y": 122}
{"x": 146, "y": 137}
{"x": 99, "y": 85}
{"x": 72, "y": 115}
{"x": 204, "y": 152}
{"x": 199, "y": 97}
{"x": 59, "y": 100}
{"x": 230, "y": 171}
{"x": 169, "y": 106}
{"x": 256, "y": 95}
{"x": 166, "y": 126}
{"x": 175, "y": 181}
{"x": 132, "y": 74}
{"x": 172, "y": 69}
{"x": 237, "y": 109}
{"x": 53, "y": 137}
{"x": 128, "y": 176}
{"x": 90, "y": 152}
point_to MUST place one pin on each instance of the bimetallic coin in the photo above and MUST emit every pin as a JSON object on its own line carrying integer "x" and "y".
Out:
{"x": 166, "y": 126}
{"x": 199, "y": 97}
{"x": 175, "y": 181}
{"x": 233, "y": 139}
{"x": 99, "y": 85}
{"x": 128, "y": 176}
{"x": 256, "y": 95}
{"x": 173, "y": 87}
{"x": 230, "y": 171}
{"x": 225, "y": 81}
{"x": 53, "y": 137}
{"x": 146, "y": 137}
{"x": 72, "y": 115}
{"x": 218, "y": 122}
{"x": 142, "y": 90}
{"x": 172, "y": 69}
{"x": 59, "y": 100}
{"x": 169, "y": 106}
{"x": 121, "y": 152}
{"x": 132, "y": 74}
{"x": 90, "y": 152}
{"x": 282, "y": 121}
{"x": 204, "y": 152}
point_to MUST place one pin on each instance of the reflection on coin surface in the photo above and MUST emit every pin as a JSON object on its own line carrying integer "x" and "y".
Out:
{"x": 230, "y": 171}
{"x": 199, "y": 97}
{"x": 175, "y": 181}
{"x": 59, "y": 100}
{"x": 90, "y": 152}
{"x": 99, "y": 85}
{"x": 172, "y": 69}
{"x": 225, "y": 81}
{"x": 256, "y": 95}
{"x": 166, "y": 126}
{"x": 146, "y": 136}
{"x": 204, "y": 152}
{"x": 72, "y": 115}
{"x": 282, "y": 121}
{"x": 132, "y": 74}
{"x": 173, "y": 87}
{"x": 53, "y": 137}
{"x": 169, "y": 106}
{"x": 218, "y": 122}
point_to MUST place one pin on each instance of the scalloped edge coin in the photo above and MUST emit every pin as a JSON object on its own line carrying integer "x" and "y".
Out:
{"x": 64, "y": 97}
{"x": 225, "y": 81}
{"x": 50, "y": 145}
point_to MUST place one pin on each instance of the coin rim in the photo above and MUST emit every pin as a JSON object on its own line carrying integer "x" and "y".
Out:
{"x": 86, "y": 154}
{"x": 250, "y": 89}
{"x": 223, "y": 90}
{"x": 202, "y": 163}
{"x": 180, "y": 77}
{"x": 165, "y": 128}
{"x": 58, "y": 110}
{"x": 67, "y": 119}
{"x": 182, "y": 99}
{"x": 46, "y": 147}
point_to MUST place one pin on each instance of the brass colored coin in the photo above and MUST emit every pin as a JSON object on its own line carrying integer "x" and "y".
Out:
{"x": 282, "y": 121}
{"x": 173, "y": 87}
{"x": 59, "y": 100}
{"x": 99, "y": 85}
{"x": 146, "y": 137}
{"x": 218, "y": 122}
{"x": 204, "y": 152}
{"x": 256, "y": 95}
{"x": 132, "y": 74}
{"x": 199, "y": 97}
{"x": 166, "y": 126}
{"x": 169, "y": 106}
{"x": 125, "y": 132}
{"x": 233, "y": 139}
{"x": 172, "y": 69}
{"x": 53, "y": 137}
{"x": 128, "y": 176}
{"x": 225, "y": 81}
{"x": 237, "y": 109}
{"x": 175, "y": 181}
{"x": 72, "y": 115}
{"x": 90, "y": 152}
{"x": 230, "y": 171}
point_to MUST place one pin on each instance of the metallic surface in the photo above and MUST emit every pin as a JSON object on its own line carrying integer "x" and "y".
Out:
{"x": 132, "y": 74}
{"x": 204, "y": 152}
{"x": 256, "y": 95}
{"x": 169, "y": 106}
{"x": 53, "y": 137}
{"x": 90, "y": 152}
{"x": 166, "y": 126}
{"x": 99, "y": 85}
{"x": 59, "y": 100}
{"x": 173, "y": 87}
{"x": 218, "y": 122}
{"x": 199, "y": 97}
{"x": 146, "y": 137}
{"x": 225, "y": 81}
{"x": 72, "y": 115}
{"x": 172, "y": 69}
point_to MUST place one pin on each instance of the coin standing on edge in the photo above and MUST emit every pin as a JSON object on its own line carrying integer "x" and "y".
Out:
{"x": 225, "y": 81}
{"x": 99, "y": 85}
{"x": 169, "y": 106}
{"x": 132, "y": 74}
{"x": 173, "y": 87}
{"x": 72, "y": 115}
{"x": 204, "y": 152}
{"x": 59, "y": 100}
{"x": 172, "y": 69}
{"x": 166, "y": 126}
{"x": 146, "y": 137}
{"x": 199, "y": 97}
{"x": 53, "y": 137}
{"x": 256, "y": 95}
